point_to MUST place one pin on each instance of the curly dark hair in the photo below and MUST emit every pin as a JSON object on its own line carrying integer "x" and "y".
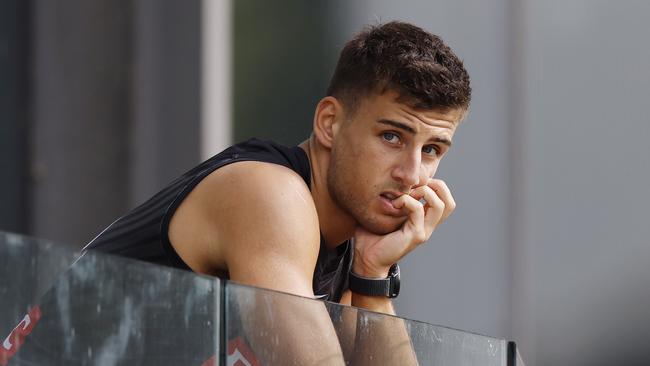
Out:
{"x": 399, "y": 56}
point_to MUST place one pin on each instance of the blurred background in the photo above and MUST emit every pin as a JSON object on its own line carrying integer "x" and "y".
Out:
{"x": 104, "y": 102}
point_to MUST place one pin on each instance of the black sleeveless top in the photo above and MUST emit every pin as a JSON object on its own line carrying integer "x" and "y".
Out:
{"x": 142, "y": 233}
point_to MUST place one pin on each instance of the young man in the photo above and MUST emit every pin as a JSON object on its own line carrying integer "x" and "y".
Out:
{"x": 330, "y": 217}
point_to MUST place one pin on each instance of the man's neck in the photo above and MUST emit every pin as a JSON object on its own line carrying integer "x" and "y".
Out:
{"x": 336, "y": 225}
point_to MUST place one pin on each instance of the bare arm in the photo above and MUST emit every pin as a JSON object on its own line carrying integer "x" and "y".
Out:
{"x": 269, "y": 238}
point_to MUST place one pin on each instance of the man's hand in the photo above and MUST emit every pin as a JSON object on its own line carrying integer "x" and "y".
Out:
{"x": 374, "y": 254}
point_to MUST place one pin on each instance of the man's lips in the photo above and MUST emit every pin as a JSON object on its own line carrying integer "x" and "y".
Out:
{"x": 391, "y": 195}
{"x": 387, "y": 199}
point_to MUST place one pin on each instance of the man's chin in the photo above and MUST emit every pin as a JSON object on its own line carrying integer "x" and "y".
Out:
{"x": 385, "y": 225}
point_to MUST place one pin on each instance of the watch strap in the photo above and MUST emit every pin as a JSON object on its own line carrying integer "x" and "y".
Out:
{"x": 369, "y": 286}
{"x": 388, "y": 287}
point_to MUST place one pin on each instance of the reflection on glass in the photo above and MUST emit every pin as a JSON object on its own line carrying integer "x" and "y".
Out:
{"x": 519, "y": 360}
{"x": 271, "y": 328}
{"x": 101, "y": 310}
{"x": 59, "y": 308}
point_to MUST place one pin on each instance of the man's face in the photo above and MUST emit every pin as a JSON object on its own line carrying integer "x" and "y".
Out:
{"x": 384, "y": 150}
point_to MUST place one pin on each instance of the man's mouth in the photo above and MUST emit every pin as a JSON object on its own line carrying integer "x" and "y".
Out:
{"x": 388, "y": 207}
{"x": 390, "y": 195}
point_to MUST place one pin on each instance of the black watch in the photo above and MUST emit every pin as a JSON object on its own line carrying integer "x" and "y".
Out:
{"x": 388, "y": 286}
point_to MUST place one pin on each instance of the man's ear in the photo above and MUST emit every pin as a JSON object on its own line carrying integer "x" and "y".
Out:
{"x": 327, "y": 120}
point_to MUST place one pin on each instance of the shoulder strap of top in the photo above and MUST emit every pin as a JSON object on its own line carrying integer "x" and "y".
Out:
{"x": 294, "y": 157}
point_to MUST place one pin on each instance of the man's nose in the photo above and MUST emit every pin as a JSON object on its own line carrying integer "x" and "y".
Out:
{"x": 408, "y": 170}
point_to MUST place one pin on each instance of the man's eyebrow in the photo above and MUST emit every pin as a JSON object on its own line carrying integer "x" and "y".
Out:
{"x": 396, "y": 124}
{"x": 411, "y": 130}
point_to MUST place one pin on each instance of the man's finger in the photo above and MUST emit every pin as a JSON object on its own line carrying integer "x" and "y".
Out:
{"x": 434, "y": 207}
{"x": 412, "y": 206}
{"x": 415, "y": 220}
{"x": 442, "y": 191}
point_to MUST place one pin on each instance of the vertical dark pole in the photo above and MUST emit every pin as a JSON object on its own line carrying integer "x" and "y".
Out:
{"x": 79, "y": 142}
{"x": 223, "y": 313}
{"x": 166, "y": 105}
{"x": 15, "y": 24}
{"x": 116, "y": 109}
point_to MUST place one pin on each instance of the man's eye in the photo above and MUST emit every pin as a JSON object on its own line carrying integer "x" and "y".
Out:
{"x": 430, "y": 150}
{"x": 390, "y": 137}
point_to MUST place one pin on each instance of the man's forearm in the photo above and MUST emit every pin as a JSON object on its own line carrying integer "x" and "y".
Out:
{"x": 285, "y": 330}
{"x": 380, "y": 339}
{"x": 378, "y": 304}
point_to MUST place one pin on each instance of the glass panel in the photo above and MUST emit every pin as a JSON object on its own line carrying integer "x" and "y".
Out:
{"x": 61, "y": 309}
{"x": 101, "y": 309}
{"x": 271, "y": 328}
{"x": 28, "y": 267}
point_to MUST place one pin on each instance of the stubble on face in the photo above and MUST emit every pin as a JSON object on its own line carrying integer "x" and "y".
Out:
{"x": 353, "y": 193}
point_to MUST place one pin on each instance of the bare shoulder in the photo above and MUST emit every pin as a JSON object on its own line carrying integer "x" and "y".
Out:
{"x": 255, "y": 220}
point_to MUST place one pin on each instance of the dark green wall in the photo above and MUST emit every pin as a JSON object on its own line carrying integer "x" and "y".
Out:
{"x": 283, "y": 60}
